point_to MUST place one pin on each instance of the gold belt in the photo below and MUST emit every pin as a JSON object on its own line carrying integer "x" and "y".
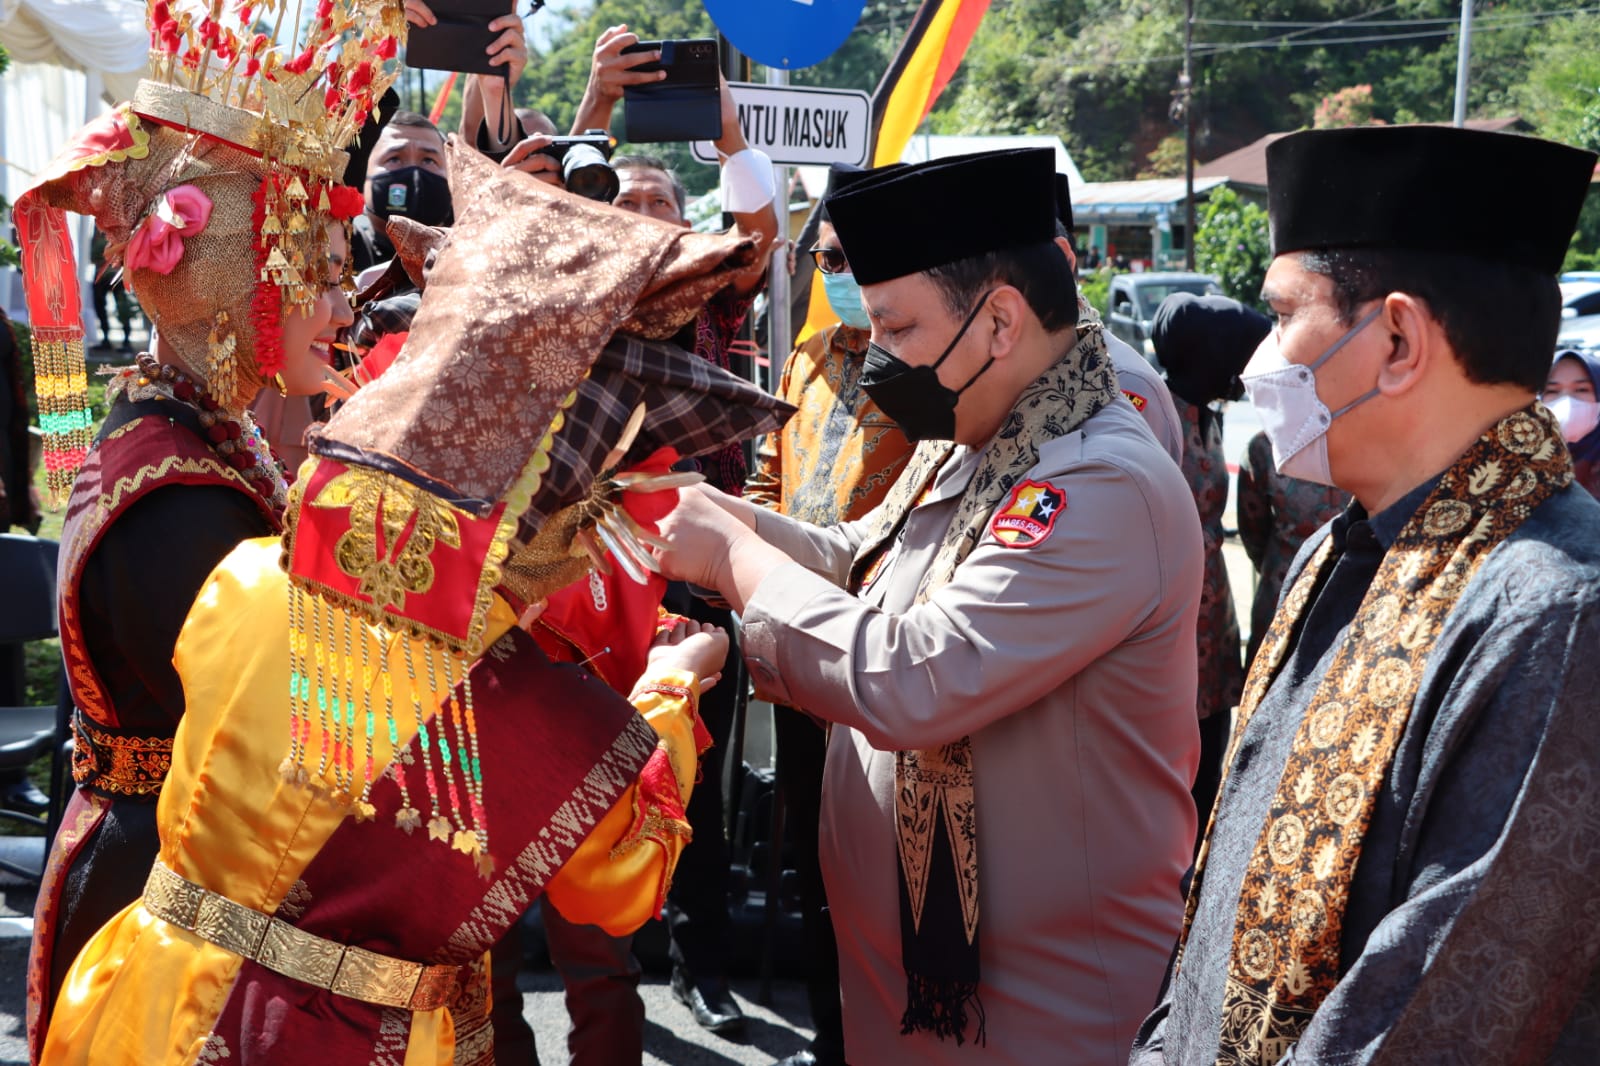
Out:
{"x": 343, "y": 969}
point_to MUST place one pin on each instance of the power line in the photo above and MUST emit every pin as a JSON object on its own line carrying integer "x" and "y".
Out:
{"x": 1263, "y": 23}
{"x": 1215, "y": 48}
{"x": 1502, "y": 23}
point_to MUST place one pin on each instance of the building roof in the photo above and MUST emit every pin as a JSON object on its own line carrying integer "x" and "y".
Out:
{"x": 1135, "y": 199}
{"x": 1248, "y": 165}
{"x": 924, "y": 147}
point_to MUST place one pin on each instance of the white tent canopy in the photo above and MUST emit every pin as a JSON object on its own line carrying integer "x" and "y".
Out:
{"x": 104, "y": 37}
{"x": 71, "y": 58}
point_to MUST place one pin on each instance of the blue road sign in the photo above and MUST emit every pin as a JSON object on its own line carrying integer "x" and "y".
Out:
{"x": 786, "y": 34}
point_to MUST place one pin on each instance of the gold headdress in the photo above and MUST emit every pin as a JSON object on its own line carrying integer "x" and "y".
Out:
{"x": 514, "y": 394}
{"x": 214, "y": 183}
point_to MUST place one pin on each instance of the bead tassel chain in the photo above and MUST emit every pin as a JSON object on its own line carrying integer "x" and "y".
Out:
{"x": 364, "y": 808}
{"x": 438, "y": 828}
{"x": 317, "y": 652}
{"x": 62, "y": 385}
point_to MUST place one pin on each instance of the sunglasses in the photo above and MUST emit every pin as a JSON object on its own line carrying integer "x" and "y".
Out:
{"x": 830, "y": 260}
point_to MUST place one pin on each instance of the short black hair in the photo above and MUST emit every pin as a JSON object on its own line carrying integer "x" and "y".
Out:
{"x": 414, "y": 120}
{"x": 1500, "y": 318}
{"x": 655, "y": 162}
{"x": 1039, "y": 271}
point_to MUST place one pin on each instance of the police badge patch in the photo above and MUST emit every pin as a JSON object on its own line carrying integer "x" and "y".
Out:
{"x": 1029, "y": 515}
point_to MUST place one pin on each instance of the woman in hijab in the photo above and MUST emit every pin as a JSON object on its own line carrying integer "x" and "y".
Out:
{"x": 1203, "y": 342}
{"x": 1570, "y": 395}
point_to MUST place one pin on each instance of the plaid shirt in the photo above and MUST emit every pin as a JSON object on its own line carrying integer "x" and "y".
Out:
{"x": 716, "y": 327}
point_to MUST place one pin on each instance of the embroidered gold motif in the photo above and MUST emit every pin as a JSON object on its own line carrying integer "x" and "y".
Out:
{"x": 125, "y": 428}
{"x": 118, "y": 765}
{"x": 410, "y": 521}
{"x": 214, "y": 1050}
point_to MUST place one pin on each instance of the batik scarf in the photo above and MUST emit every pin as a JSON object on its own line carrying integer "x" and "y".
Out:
{"x": 1285, "y": 958}
{"x": 936, "y": 823}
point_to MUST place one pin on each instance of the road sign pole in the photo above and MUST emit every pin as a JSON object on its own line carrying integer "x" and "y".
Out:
{"x": 778, "y": 326}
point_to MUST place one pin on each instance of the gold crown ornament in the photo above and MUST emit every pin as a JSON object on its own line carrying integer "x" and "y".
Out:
{"x": 214, "y": 187}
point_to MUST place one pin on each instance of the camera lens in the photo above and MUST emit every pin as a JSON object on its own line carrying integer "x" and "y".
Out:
{"x": 584, "y": 171}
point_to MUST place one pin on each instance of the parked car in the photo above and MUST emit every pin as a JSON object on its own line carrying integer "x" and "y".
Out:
{"x": 1133, "y": 300}
{"x": 1584, "y": 334}
{"x": 1580, "y": 307}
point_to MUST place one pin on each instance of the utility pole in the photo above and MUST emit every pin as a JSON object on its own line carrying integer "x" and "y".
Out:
{"x": 1463, "y": 61}
{"x": 1186, "y": 87}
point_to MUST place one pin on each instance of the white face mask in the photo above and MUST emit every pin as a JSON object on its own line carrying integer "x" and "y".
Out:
{"x": 1293, "y": 416}
{"x": 1577, "y": 417}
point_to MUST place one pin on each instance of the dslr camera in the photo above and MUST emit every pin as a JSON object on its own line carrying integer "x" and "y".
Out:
{"x": 585, "y": 160}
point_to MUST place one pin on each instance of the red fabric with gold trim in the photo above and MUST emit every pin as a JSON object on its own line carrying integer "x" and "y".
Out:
{"x": 389, "y": 549}
{"x": 1029, "y": 514}
{"x": 658, "y": 814}
{"x": 630, "y": 617}
{"x": 50, "y": 271}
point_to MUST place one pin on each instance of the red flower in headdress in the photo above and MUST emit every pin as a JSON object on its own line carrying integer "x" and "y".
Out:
{"x": 302, "y": 62}
{"x": 386, "y": 49}
{"x": 359, "y": 78}
{"x": 345, "y": 202}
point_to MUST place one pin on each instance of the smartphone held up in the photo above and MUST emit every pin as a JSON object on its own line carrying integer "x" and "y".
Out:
{"x": 686, "y": 105}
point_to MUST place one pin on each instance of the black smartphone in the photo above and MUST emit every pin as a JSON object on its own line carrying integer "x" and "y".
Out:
{"x": 461, "y": 38}
{"x": 686, "y": 105}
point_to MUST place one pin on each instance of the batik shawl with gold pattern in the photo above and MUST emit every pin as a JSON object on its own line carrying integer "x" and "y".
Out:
{"x": 1285, "y": 957}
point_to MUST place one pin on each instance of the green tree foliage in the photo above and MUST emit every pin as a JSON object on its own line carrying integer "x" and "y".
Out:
{"x": 1101, "y": 73}
{"x": 1167, "y": 160}
{"x": 1561, "y": 95}
{"x": 1233, "y": 244}
{"x": 1350, "y": 106}
{"x": 8, "y": 251}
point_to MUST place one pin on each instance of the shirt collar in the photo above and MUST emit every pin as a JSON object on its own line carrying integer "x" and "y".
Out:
{"x": 1388, "y": 523}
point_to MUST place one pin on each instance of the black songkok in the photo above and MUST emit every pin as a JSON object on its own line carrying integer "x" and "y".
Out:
{"x": 1426, "y": 188}
{"x": 899, "y": 221}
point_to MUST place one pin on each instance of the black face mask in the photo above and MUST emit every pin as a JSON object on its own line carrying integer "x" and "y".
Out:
{"x": 414, "y": 193}
{"x": 913, "y": 396}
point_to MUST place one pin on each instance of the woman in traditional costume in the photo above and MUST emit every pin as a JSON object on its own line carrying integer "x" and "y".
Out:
{"x": 216, "y": 187}
{"x": 379, "y": 769}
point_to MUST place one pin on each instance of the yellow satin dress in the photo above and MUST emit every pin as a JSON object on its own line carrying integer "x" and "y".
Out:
{"x": 143, "y": 992}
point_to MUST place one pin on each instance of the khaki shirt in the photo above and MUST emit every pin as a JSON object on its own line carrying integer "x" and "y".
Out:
{"x": 1071, "y": 663}
{"x": 1141, "y": 383}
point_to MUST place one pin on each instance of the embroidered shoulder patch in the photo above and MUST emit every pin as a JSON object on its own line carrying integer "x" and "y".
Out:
{"x": 1028, "y": 515}
{"x": 1139, "y": 402}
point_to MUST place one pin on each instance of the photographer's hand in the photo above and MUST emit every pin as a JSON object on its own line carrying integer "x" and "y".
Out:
{"x": 610, "y": 72}
{"x": 486, "y": 98}
{"x": 528, "y": 156}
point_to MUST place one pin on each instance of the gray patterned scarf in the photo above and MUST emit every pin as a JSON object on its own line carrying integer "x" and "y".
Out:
{"x": 935, "y": 807}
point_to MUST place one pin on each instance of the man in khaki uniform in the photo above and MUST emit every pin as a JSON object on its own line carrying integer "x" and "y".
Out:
{"x": 1006, "y": 645}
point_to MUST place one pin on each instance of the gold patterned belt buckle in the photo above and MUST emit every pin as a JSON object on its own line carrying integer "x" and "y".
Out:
{"x": 343, "y": 969}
